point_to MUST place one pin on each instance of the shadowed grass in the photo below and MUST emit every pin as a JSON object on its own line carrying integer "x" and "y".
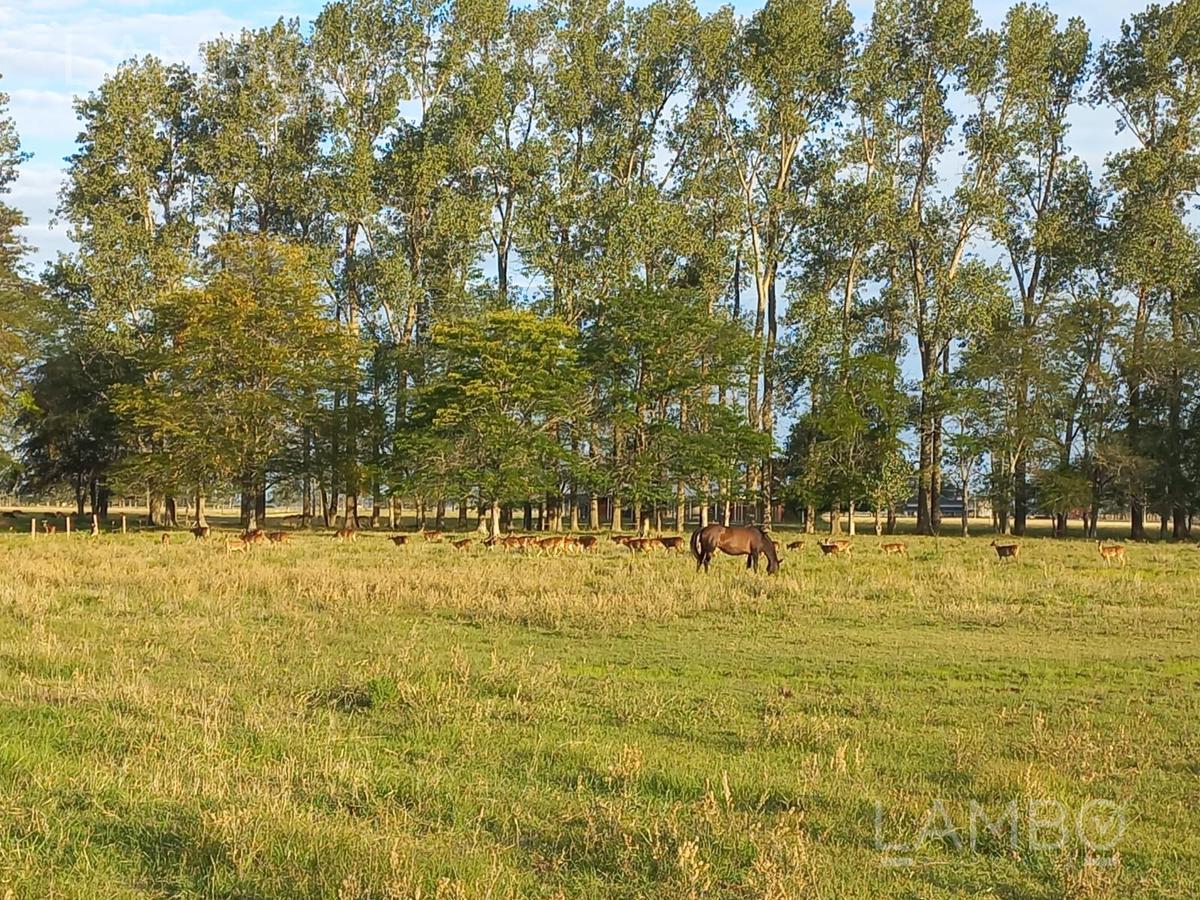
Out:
{"x": 316, "y": 719}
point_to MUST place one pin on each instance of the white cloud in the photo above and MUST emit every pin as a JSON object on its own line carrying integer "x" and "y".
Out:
{"x": 54, "y": 50}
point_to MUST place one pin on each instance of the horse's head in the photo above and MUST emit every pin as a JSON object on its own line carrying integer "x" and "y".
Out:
{"x": 771, "y": 554}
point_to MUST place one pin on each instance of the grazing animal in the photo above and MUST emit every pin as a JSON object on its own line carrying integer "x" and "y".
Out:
{"x": 235, "y": 546}
{"x": 835, "y": 548}
{"x": 1007, "y": 551}
{"x": 552, "y": 544}
{"x": 345, "y": 534}
{"x": 200, "y": 532}
{"x": 51, "y": 529}
{"x": 796, "y": 545}
{"x": 257, "y": 536}
{"x": 399, "y": 539}
{"x": 278, "y": 537}
{"x": 461, "y": 545}
{"x": 896, "y": 548}
{"x": 622, "y": 538}
{"x": 640, "y": 544}
{"x": 434, "y": 536}
{"x": 587, "y": 542}
{"x": 734, "y": 541}
{"x": 673, "y": 543}
{"x": 165, "y": 540}
{"x": 1111, "y": 552}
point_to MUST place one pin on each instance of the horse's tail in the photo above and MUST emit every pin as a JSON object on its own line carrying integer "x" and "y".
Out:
{"x": 696, "y": 544}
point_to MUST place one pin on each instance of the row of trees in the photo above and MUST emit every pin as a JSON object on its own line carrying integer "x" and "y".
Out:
{"x": 465, "y": 251}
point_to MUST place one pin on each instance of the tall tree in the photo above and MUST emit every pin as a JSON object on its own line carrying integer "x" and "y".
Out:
{"x": 787, "y": 84}
{"x": 237, "y": 364}
{"x": 1150, "y": 76}
{"x": 1047, "y": 193}
{"x": 15, "y": 290}
{"x": 130, "y": 200}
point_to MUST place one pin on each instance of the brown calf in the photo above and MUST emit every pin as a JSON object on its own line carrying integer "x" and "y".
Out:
{"x": 1111, "y": 552}
{"x": 553, "y": 544}
{"x": 1007, "y": 551}
{"x": 587, "y": 542}
{"x": 677, "y": 544}
{"x": 835, "y": 548}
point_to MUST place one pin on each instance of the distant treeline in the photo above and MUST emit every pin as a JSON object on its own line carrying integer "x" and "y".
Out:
{"x": 468, "y": 251}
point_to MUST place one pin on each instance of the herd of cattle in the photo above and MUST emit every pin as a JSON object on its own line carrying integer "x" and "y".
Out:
{"x": 584, "y": 543}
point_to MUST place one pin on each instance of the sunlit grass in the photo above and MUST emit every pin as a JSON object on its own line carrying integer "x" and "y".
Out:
{"x": 362, "y": 720}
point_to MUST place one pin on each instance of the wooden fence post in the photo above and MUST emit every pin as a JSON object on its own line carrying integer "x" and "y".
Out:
{"x": 122, "y": 524}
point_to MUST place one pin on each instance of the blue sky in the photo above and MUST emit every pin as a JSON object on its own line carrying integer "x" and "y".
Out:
{"x": 54, "y": 50}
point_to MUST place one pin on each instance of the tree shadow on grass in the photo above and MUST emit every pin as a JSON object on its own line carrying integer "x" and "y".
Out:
{"x": 175, "y": 855}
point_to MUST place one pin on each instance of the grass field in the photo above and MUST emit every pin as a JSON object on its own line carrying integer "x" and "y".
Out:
{"x": 362, "y": 720}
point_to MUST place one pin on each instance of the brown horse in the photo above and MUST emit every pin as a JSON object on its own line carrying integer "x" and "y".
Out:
{"x": 748, "y": 542}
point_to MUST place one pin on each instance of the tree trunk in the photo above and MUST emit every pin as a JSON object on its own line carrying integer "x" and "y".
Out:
{"x": 924, "y": 525}
{"x": 1020, "y": 496}
{"x": 247, "y": 520}
{"x": 835, "y": 519}
{"x": 201, "y": 519}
